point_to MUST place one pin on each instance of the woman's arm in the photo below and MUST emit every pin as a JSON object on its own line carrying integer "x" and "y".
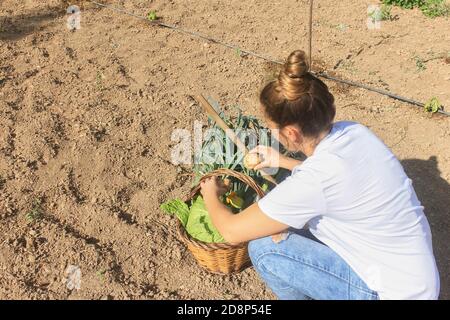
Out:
{"x": 249, "y": 224}
{"x": 288, "y": 163}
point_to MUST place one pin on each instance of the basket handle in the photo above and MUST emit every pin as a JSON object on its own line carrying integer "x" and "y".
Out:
{"x": 227, "y": 172}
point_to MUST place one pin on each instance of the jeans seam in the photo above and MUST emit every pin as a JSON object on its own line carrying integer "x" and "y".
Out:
{"x": 311, "y": 264}
{"x": 288, "y": 286}
{"x": 274, "y": 275}
{"x": 348, "y": 286}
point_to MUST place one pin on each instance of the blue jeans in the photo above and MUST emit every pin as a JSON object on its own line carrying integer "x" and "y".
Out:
{"x": 301, "y": 267}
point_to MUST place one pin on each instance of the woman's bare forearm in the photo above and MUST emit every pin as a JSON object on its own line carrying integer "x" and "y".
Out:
{"x": 288, "y": 163}
{"x": 220, "y": 214}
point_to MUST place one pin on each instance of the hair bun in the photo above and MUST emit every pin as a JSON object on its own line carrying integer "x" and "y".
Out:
{"x": 296, "y": 65}
{"x": 293, "y": 80}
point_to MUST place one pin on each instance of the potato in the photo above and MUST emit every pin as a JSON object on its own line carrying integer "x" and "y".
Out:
{"x": 251, "y": 160}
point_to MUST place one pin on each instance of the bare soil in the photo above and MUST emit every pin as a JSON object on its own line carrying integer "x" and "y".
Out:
{"x": 86, "y": 120}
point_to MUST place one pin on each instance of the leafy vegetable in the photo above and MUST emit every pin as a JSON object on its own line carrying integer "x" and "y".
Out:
{"x": 195, "y": 220}
{"x": 234, "y": 200}
{"x": 218, "y": 152}
{"x": 151, "y": 16}
{"x": 433, "y": 105}
{"x": 199, "y": 225}
{"x": 178, "y": 208}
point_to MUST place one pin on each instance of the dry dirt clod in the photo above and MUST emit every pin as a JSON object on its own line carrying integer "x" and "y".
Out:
{"x": 31, "y": 259}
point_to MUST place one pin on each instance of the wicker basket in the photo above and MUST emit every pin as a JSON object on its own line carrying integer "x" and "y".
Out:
{"x": 219, "y": 258}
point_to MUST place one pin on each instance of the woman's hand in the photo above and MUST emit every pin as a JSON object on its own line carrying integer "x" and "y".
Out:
{"x": 214, "y": 187}
{"x": 271, "y": 158}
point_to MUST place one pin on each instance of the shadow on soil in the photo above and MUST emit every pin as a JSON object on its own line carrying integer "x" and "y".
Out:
{"x": 14, "y": 28}
{"x": 434, "y": 193}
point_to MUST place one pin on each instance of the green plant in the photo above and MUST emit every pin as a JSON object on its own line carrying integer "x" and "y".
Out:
{"x": 195, "y": 219}
{"x": 375, "y": 15}
{"x": 342, "y": 26}
{"x": 430, "y": 8}
{"x": 152, "y": 15}
{"x": 349, "y": 65}
{"x": 406, "y": 4}
{"x": 101, "y": 274}
{"x": 386, "y": 12}
{"x": 36, "y": 212}
{"x": 217, "y": 151}
{"x": 420, "y": 63}
{"x": 99, "y": 80}
{"x": 200, "y": 225}
{"x": 178, "y": 208}
{"x": 433, "y": 105}
{"x": 435, "y": 8}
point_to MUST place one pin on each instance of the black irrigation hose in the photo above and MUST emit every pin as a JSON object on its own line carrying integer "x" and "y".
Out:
{"x": 384, "y": 92}
{"x": 243, "y": 52}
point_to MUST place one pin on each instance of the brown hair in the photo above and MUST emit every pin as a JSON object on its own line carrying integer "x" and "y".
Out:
{"x": 298, "y": 97}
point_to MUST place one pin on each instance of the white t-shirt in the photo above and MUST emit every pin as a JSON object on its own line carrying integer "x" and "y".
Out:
{"x": 357, "y": 199}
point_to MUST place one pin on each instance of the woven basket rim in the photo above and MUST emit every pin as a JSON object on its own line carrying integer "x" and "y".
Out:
{"x": 223, "y": 245}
